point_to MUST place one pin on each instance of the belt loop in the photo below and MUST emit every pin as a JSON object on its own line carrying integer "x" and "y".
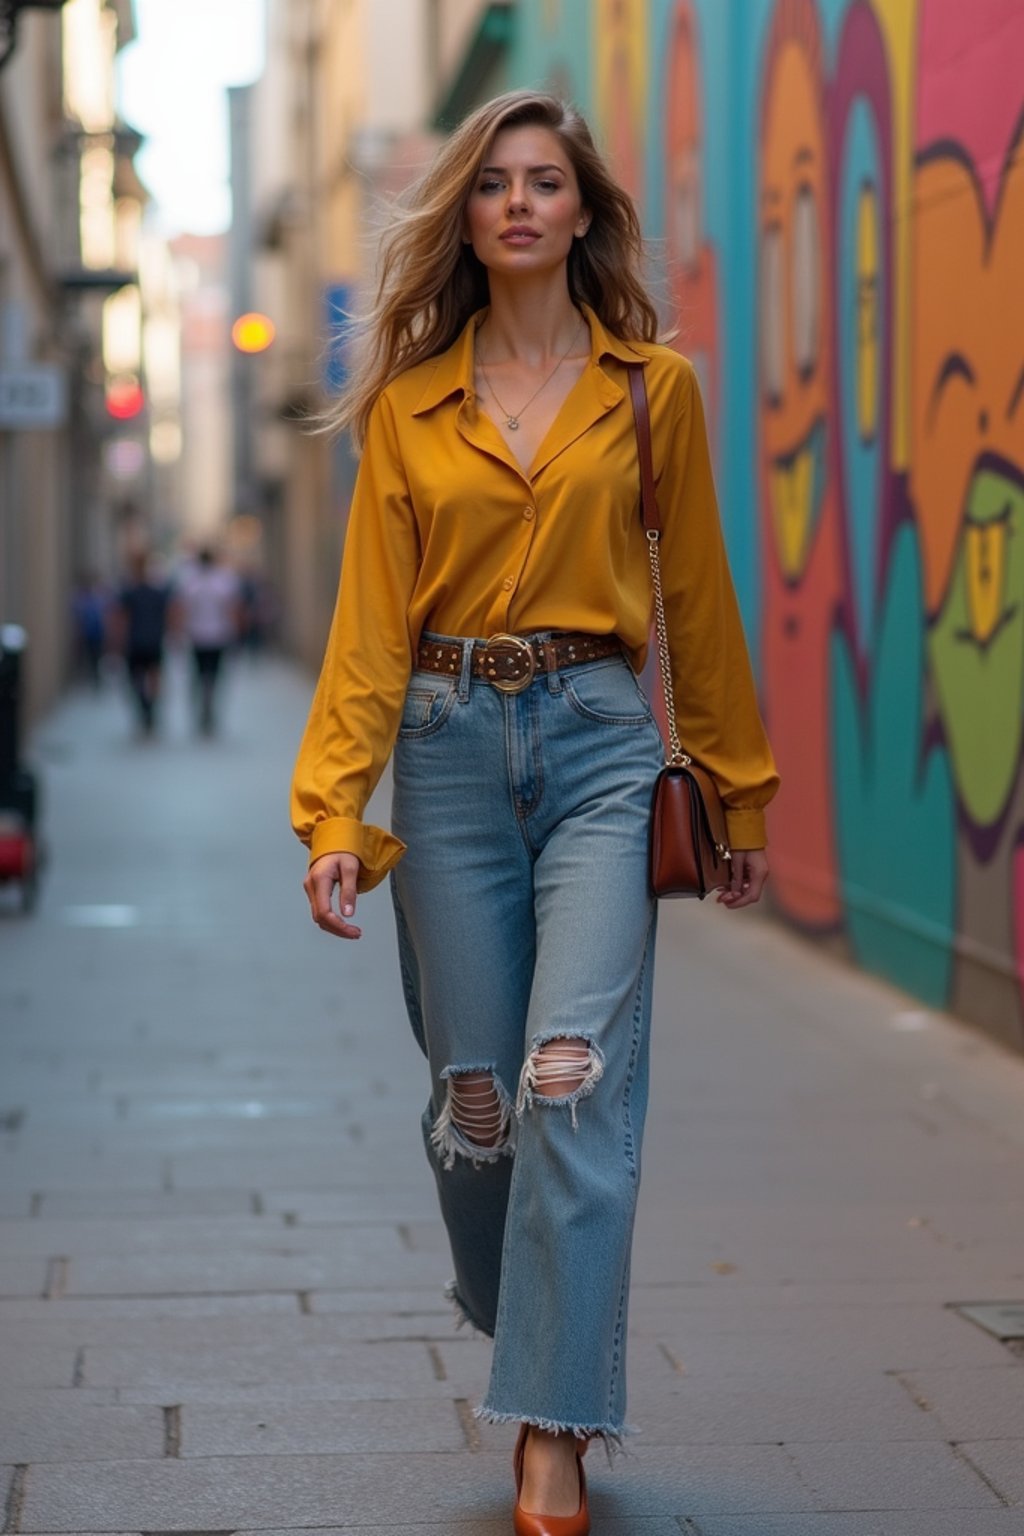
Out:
{"x": 466, "y": 672}
{"x": 547, "y": 650}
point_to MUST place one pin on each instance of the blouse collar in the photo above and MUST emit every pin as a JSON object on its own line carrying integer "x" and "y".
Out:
{"x": 453, "y": 370}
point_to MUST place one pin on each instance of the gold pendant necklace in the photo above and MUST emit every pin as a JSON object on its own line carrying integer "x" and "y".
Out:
{"x": 512, "y": 421}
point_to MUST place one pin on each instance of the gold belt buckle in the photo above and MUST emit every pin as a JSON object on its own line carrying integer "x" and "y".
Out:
{"x": 513, "y": 684}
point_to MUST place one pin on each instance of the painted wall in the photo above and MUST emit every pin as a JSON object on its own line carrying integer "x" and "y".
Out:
{"x": 834, "y": 190}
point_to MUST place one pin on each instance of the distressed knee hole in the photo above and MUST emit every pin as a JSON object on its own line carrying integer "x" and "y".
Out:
{"x": 475, "y": 1119}
{"x": 476, "y": 1108}
{"x": 562, "y": 1070}
{"x": 560, "y": 1067}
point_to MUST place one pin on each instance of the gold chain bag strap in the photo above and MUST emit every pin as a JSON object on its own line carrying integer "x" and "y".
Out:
{"x": 689, "y": 845}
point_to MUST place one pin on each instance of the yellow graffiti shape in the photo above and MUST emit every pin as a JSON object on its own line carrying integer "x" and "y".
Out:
{"x": 869, "y": 320}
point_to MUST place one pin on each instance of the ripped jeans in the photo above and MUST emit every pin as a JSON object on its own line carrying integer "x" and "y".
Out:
{"x": 526, "y": 937}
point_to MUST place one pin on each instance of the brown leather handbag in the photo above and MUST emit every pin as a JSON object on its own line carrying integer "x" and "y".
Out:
{"x": 689, "y": 845}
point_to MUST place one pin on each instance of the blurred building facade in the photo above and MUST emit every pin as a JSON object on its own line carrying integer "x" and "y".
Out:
{"x": 89, "y": 323}
{"x": 336, "y": 126}
{"x": 204, "y": 471}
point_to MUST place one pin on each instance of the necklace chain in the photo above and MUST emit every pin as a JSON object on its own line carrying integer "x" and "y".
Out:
{"x": 512, "y": 421}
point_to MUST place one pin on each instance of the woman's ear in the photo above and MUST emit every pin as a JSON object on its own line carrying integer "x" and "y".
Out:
{"x": 583, "y": 224}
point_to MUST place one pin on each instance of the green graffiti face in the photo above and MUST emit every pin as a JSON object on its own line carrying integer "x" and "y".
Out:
{"x": 977, "y": 641}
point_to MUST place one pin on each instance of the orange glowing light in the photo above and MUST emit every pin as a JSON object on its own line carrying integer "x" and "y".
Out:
{"x": 253, "y": 332}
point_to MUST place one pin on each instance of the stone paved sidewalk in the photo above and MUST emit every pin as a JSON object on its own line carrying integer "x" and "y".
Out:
{"x": 220, "y": 1261}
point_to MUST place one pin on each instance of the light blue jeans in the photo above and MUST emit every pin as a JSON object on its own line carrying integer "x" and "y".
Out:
{"x": 524, "y": 916}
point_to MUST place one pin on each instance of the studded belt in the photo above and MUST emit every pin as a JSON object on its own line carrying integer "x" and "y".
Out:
{"x": 510, "y": 662}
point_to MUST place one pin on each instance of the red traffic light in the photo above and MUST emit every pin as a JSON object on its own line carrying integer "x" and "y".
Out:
{"x": 125, "y": 398}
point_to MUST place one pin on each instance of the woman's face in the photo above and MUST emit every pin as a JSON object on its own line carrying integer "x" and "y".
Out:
{"x": 525, "y": 208}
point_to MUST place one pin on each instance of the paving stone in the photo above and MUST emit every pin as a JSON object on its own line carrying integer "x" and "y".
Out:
{"x": 427, "y": 1298}
{"x": 290, "y": 1326}
{"x": 229, "y": 1270}
{"x": 137, "y": 1202}
{"x": 136, "y": 1236}
{"x": 402, "y": 1202}
{"x": 717, "y": 1293}
{"x": 745, "y": 1348}
{"x": 61, "y": 1426}
{"x": 67, "y": 1165}
{"x": 296, "y": 1491}
{"x": 349, "y": 1370}
{"x": 983, "y": 1522}
{"x": 842, "y": 1407}
{"x": 974, "y": 1404}
{"x": 22, "y": 1277}
{"x": 894, "y": 1337}
{"x": 283, "y": 1169}
{"x": 220, "y": 1429}
{"x": 85, "y": 1308}
{"x": 37, "y": 1364}
{"x": 656, "y": 1526}
{"x": 14, "y": 1202}
{"x": 17, "y": 1399}
{"x": 1002, "y": 1463}
{"x": 857, "y": 1475}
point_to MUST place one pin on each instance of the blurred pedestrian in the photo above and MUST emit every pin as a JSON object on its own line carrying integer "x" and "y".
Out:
{"x": 257, "y": 612}
{"x": 138, "y": 623}
{"x": 210, "y": 595}
{"x": 498, "y": 496}
{"x": 90, "y": 601}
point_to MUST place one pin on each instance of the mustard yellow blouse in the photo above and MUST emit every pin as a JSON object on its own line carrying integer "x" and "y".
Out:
{"x": 446, "y": 532}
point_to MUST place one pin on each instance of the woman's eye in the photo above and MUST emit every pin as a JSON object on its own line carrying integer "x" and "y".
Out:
{"x": 549, "y": 186}
{"x": 489, "y": 185}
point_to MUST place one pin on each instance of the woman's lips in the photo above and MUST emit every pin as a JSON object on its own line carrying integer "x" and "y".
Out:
{"x": 519, "y": 237}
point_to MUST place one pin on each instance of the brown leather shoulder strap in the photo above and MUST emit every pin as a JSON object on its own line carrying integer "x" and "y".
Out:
{"x": 642, "y": 413}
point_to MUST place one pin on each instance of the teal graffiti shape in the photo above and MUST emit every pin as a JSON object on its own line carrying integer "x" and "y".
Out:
{"x": 895, "y": 811}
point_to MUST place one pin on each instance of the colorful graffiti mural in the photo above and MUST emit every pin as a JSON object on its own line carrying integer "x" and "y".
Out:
{"x": 690, "y": 256}
{"x": 620, "y": 33}
{"x": 835, "y": 191}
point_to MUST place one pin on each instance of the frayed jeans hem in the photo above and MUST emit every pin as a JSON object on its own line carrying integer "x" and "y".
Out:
{"x": 613, "y": 1435}
{"x": 463, "y": 1318}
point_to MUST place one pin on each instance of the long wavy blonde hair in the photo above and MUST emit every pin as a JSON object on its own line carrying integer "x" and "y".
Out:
{"x": 430, "y": 282}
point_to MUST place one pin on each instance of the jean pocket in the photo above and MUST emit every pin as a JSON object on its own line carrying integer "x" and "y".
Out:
{"x": 426, "y": 708}
{"x": 607, "y": 693}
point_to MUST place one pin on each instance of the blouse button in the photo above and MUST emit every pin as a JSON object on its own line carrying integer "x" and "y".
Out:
{"x": 528, "y": 513}
{"x": 507, "y": 583}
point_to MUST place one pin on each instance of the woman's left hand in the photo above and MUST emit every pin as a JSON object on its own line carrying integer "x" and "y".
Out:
{"x": 749, "y": 873}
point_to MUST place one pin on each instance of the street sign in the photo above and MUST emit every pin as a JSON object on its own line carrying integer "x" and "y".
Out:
{"x": 32, "y": 396}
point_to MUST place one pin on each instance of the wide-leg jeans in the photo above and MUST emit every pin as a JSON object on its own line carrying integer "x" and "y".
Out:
{"x": 524, "y": 916}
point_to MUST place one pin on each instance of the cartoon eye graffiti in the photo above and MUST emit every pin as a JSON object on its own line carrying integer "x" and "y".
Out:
{"x": 869, "y": 320}
{"x": 773, "y": 347}
{"x": 805, "y": 279}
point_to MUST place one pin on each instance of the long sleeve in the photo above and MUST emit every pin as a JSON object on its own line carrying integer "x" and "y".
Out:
{"x": 717, "y": 712}
{"x": 357, "y": 706}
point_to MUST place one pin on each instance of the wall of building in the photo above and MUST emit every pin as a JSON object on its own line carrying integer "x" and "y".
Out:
{"x": 834, "y": 191}
{"x": 70, "y": 215}
{"x": 336, "y": 131}
{"x": 36, "y": 517}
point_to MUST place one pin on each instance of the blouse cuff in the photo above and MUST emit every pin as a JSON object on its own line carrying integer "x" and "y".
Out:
{"x": 746, "y": 828}
{"x": 377, "y": 851}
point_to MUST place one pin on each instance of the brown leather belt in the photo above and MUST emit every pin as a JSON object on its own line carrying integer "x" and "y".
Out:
{"x": 510, "y": 662}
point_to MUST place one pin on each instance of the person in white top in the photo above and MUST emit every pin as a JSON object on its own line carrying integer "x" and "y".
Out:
{"x": 210, "y": 596}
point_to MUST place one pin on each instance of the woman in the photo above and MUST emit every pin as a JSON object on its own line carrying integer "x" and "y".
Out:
{"x": 493, "y": 611}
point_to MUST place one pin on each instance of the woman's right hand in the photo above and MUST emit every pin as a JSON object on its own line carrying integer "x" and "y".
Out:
{"x": 333, "y": 869}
